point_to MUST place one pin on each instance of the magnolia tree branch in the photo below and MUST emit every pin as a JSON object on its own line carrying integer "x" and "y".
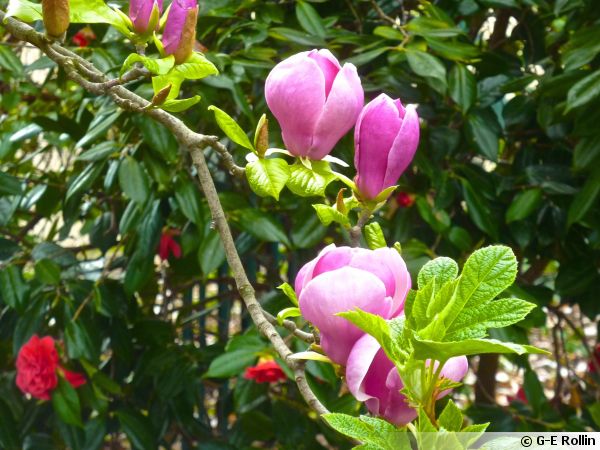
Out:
{"x": 90, "y": 78}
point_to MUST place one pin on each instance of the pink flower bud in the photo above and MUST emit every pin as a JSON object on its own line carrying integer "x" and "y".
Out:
{"x": 372, "y": 378}
{"x": 315, "y": 100}
{"x": 145, "y": 15}
{"x": 180, "y": 30}
{"x": 342, "y": 279}
{"x": 385, "y": 140}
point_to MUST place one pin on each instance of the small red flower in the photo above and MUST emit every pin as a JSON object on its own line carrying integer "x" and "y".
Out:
{"x": 404, "y": 200}
{"x": 591, "y": 365}
{"x": 168, "y": 245}
{"x": 265, "y": 372}
{"x": 37, "y": 366}
{"x": 83, "y": 37}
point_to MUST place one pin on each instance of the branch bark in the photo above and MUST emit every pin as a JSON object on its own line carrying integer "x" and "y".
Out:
{"x": 90, "y": 78}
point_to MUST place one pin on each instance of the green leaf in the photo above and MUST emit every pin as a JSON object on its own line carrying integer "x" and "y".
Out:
{"x": 195, "y": 68}
{"x": 328, "y": 214}
{"x": 583, "y": 46}
{"x": 429, "y": 67}
{"x": 230, "y": 364}
{"x": 463, "y": 87}
{"x": 9, "y": 431}
{"x": 211, "y": 254}
{"x": 585, "y": 198}
{"x": 84, "y": 181}
{"x": 181, "y": 104}
{"x": 524, "y": 204}
{"x": 289, "y": 291}
{"x": 97, "y": 11}
{"x": 307, "y": 182}
{"x": 474, "y": 322}
{"x": 66, "y": 403}
{"x": 387, "y": 333}
{"x": 287, "y": 312}
{"x": 479, "y": 211}
{"x": 451, "y": 418}
{"x": 594, "y": 410}
{"x": 160, "y": 66}
{"x": 262, "y": 225}
{"x": 231, "y": 128}
{"x": 48, "y": 272}
{"x": 99, "y": 152}
{"x": 374, "y": 432}
{"x": 267, "y": 177}
{"x": 483, "y": 129}
{"x": 587, "y": 152}
{"x": 14, "y": 289}
{"x": 9, "y": 184}
{"x": 374, "y": 236}
{"x": 429, "y": 27}
{"x": 442, "y": 351}
{"x": 584, "y": 91}
{"x": 441, "y": 269}
{"x": 453, "y": 49}
{"x": 487, "y": 273}
{"x": 138, "y": 428}
{"x": 188, "y": 198}
{"x": 25, "y": 10}
{"x": 9, "y": 61}
{"x": 133, "y": 180}
{"x": 309, "y": 19}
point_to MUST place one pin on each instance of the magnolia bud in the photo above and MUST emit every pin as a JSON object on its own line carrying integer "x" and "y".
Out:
{"x": 180, "y": 30}
{"x": 56, "y": 17}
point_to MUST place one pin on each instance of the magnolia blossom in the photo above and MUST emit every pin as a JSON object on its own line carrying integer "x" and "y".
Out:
{"x": 372, "y": 378}
{"x": 180, "y": 30}
{"x": 315, "y": 100}
{"x": 343, "y": 278}
{"x": 145, "y": 14}
{"x": 385, "y": 140}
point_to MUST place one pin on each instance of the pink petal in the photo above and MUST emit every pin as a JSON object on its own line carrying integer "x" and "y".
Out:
{"x": 295, "y": 93}
{"x": 328, "y": 64}
{"x": 341, "y": 110}
{"x": 375, "y": 133}
{"x": 306, "y": 272}
{"x": 342, "y": 290}
{"x": 398, "y": 410}
{"x": 404, "y": 147}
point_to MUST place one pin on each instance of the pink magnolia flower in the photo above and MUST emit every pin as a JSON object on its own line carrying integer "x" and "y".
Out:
{"x": 343, "y": 278}
{"x": 315, "y": 100}
{"x": 385, "y": 140}
{"x": 144, "y": 13}
{"x": 179, "y": 36}
{"x": 372, "y": 378}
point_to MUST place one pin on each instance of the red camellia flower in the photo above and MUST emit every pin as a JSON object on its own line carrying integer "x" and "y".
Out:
{"x": 168, "y": 245}
{"x": 404, "y": 200}
{"x": 83, "y": 37}
{"x": 37, "y": 366}
{"x": 596, "y": 356}
{"x": 265, "y": 372}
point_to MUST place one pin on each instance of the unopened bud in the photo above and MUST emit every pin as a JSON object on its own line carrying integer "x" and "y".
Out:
{"x": 179, "y": 36}
{"x": 56, "y": 17}
{"x": 261, "y": 137}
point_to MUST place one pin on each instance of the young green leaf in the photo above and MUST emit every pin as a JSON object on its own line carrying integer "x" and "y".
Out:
{"x": 180, "y": 105}
{"x": 307, "y": 182}
{"x": 289, "y": 292}
{"x": 287, "y": 312}
{"x": 231, "y": 128}
{"x": 474, "y": 322}
{"x": 373, "y": 432}
{"x": 374, "y": 236}
{"x": 328, "y": 214}
{"x": 451, "y": 418}
{"x": 442, "y": 269}
{"x": 160, "y": 66}
{"x": 267, "y": 177}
